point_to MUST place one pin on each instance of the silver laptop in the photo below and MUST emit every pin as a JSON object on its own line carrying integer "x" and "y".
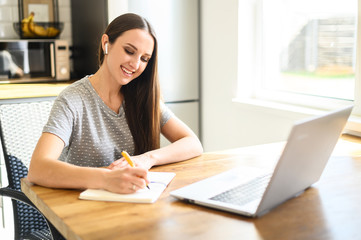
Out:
{"x": 253, "y": 191}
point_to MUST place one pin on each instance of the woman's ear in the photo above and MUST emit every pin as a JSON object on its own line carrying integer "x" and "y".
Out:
{"x": 105, "y": 41}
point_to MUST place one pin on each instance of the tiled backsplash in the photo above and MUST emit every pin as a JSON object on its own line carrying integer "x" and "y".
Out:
{"x": 9, "y": 13}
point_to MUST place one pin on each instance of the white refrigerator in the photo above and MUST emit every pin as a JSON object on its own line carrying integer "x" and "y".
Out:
{"x": 176, "y": 23}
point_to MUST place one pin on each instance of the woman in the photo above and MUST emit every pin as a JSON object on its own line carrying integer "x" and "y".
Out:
{"x": 118, "y": 108}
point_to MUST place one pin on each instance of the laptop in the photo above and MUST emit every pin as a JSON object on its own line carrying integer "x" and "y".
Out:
{"x": 252, "y": 191}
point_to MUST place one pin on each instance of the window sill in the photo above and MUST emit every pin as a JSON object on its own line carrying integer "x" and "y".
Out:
{"x": 353, "y": 126}
{"x": 273, "y": 105}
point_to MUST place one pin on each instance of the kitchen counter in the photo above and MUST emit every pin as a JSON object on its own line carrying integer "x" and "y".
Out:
{"x": 11, "y": 91}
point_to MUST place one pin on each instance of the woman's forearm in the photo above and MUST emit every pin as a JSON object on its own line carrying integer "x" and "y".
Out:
{"x": 183, "y": 149}
{"x": 50, "y": 173}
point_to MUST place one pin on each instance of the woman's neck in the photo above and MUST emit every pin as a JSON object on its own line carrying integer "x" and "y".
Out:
{"x": 109, "y": 93}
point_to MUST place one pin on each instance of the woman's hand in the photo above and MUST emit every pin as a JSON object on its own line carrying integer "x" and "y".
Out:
{"x": 126, "y": 179}
{"x": 118, "y": 164}
{"x": 142, "y": 161}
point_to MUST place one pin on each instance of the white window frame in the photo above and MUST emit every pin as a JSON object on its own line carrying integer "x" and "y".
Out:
{"x": 249, "y": 87}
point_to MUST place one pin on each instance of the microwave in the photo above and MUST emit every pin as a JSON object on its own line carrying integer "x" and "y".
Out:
{"x": 35, "y": 60}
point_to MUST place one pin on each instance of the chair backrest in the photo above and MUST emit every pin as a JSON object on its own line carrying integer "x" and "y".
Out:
{"x": 21, "y": 124}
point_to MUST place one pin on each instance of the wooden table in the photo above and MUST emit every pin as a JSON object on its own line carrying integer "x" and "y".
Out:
{"x": 329, "y": 210}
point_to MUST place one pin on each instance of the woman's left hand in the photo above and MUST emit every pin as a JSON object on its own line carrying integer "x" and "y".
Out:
{"x": 143, "y": 161}
{"x": 117, "y": 164}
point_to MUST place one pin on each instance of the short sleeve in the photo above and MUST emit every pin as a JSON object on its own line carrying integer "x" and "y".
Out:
{"x": 61, "y": 118}
{"x": 166, "y": 114}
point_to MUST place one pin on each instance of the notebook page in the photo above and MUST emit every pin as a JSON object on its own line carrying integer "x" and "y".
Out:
{"x": 158, "y": 182}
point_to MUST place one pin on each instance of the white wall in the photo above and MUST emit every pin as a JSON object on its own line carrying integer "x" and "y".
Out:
{"x": 226, "y": 124}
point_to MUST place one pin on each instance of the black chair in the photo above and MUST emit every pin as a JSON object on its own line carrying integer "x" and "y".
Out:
{"x": 21, "y": 123}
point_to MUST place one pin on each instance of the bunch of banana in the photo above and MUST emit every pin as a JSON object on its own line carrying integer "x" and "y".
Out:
{"x": 52, "y": 32}
{"x": 25, "y": 26}
{"x": 38, "y": 30}
{"x": 31, "y": 29}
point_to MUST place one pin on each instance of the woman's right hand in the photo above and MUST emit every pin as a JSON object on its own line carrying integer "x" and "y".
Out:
{"x": 126, "y": 180}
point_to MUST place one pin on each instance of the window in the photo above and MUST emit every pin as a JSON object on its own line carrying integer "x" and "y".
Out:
{"x": 299, "y": 52}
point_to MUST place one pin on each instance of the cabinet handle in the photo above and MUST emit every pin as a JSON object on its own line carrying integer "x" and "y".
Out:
{"x": 52, "y": 60}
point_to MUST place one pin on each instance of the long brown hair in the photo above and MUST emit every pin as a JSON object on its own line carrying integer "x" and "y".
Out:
{"x": 141, "y": 95}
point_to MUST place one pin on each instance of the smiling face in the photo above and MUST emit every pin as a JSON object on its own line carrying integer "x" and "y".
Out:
{"x": 128, "y": 56}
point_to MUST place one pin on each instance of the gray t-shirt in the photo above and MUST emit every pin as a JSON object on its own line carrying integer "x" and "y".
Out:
{"x": 94, "y": 135}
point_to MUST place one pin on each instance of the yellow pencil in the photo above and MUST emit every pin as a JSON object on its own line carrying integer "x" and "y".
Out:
{"x": 130, "y": 162}
{"x": 127, "y": 157}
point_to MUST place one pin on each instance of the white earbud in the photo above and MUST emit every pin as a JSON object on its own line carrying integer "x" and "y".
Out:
{"x": 106, "y": 48}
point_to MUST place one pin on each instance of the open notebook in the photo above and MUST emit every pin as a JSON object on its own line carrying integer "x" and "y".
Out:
{"x": 158, "y": 182}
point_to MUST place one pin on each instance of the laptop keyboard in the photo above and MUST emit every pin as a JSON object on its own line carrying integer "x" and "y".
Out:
{"x": 244, "y": 193}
